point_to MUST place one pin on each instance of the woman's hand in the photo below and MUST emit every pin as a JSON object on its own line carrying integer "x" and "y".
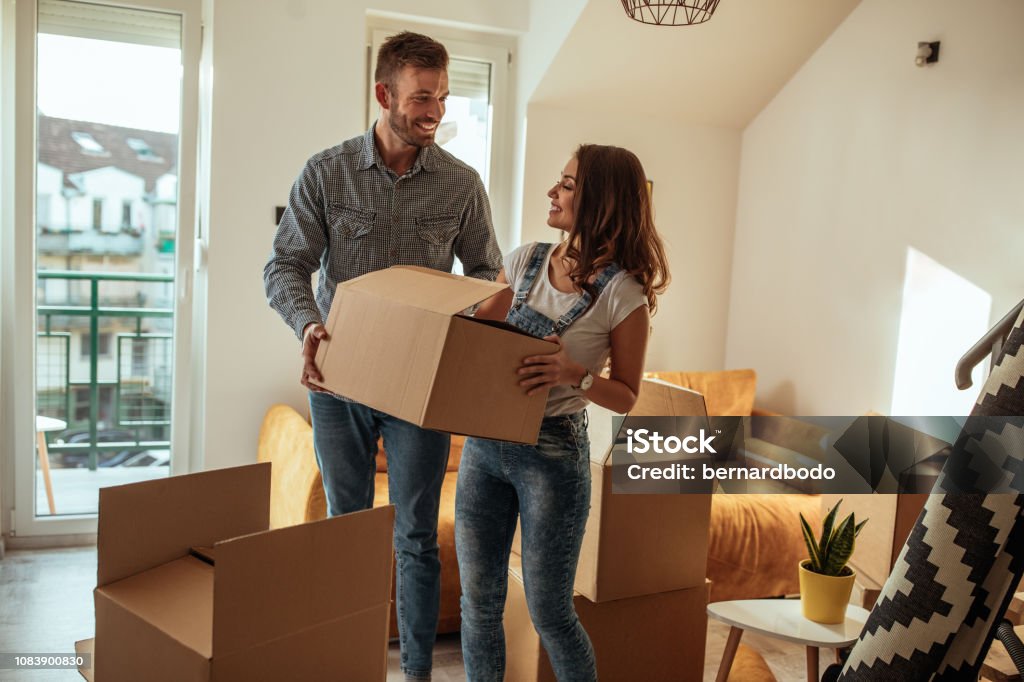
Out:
{"x": 550, "y": 370}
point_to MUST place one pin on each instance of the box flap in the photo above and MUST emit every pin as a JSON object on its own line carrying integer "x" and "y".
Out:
{"x": 274, "y": 583}
{"x": 659, "y": 398}
{"x": 175, "y": 598}
{"x": 83, "y": 648}
{"x": 144, "y": 525}
{"x": 425, "y": 288}
{"x": 129, "y": 649}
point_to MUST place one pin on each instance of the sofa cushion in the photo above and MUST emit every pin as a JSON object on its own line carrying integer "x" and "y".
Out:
{"x": 755, "y": 544}
{"x": 296, "y": 494}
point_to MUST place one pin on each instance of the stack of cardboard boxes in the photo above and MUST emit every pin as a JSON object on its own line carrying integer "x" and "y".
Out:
{"x": 641, "y": 591}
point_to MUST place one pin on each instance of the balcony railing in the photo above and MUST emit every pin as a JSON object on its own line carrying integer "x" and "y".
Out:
{"x": 138, "y": 394}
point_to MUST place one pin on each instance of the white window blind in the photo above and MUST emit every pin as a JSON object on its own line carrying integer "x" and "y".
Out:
{"x": 104, "y": 22}
{"x": 470, "y": 79}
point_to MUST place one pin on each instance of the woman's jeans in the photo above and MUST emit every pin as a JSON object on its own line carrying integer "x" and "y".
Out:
{"x": 345, "y": 440}
{"x": 547, "y": 487}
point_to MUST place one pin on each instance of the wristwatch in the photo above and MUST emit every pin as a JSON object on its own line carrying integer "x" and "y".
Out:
{"x": 586, "y": 382}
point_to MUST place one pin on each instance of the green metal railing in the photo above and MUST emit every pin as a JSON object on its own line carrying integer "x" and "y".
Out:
{"x": 93, "y": 312}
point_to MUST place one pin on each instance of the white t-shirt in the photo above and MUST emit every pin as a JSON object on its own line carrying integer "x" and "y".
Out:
{"x": 587, "y": 340}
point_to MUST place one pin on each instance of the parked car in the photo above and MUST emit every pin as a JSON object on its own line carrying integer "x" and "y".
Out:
{"x": 79, "y": 459}
{"x": 149, "y": 458}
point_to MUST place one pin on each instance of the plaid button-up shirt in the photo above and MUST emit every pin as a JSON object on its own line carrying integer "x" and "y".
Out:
{"x": 348, "y": 214}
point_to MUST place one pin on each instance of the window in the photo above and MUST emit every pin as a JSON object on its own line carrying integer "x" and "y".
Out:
{"x": 126, "y": 213}
{"x": 89, "y": 144}
{"x": 467, "y": 126}
{"x": 142, "y": 150}
{"x": 108, "y": 72}
{"x": 103, "y": 345}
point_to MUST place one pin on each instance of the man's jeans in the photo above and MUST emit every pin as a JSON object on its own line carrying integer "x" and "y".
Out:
{"x": 345, "y": 439}
{"x": 548, "y": 487}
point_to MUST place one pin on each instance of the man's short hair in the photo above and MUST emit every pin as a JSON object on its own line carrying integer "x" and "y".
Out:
{"x": 408, "y": 49}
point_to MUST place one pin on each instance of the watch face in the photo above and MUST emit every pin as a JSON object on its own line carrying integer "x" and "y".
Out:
{"x": 587, "y": 381}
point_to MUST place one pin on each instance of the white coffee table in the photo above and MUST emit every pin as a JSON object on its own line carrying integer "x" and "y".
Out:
{"x": 782, "y": 619}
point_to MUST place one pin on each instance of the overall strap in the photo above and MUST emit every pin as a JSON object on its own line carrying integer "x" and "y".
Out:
{"x": 585, "y": 300}
{"x": 540, "y": 252}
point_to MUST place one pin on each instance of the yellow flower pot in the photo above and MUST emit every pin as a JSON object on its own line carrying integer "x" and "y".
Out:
{"x": 824, "y": 598}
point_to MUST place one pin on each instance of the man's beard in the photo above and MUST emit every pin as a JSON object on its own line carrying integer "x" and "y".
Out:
{"x": 400, "y": 125}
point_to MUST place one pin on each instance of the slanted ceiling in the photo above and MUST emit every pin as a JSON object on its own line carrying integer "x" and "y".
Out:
{"x": 721, "y": 73}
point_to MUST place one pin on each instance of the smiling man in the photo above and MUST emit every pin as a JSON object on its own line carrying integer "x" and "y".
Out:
{"x": 388, "y": 197}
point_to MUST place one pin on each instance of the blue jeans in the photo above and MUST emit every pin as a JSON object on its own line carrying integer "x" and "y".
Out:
{"x": 345, "y": 440}
{"x": 548, "y": 487}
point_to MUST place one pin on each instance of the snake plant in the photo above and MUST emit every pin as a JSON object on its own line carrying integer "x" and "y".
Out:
{"x": 828, "y": 556}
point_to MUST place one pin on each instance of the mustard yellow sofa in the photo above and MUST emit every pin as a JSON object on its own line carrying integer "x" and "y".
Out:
{"x": 754, "y": 544}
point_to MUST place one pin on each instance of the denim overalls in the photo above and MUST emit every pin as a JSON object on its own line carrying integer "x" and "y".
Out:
{"x": 524, "y": 317}
{"x": 547, "y": 486}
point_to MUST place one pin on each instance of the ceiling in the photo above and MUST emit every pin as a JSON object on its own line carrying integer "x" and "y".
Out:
{"x": 722, "y": 72}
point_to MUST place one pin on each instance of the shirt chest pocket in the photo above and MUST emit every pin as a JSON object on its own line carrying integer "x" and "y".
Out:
{"x": 350, "y": 222}
{"x": 438, "y": 229}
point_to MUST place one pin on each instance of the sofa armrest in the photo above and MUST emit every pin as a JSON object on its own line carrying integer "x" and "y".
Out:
{"x": 296, "y": 493}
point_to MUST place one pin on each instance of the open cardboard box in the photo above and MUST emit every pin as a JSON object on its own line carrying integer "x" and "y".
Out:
{"x": 307, "y": 602}
{"x": 398, "y": 344}
{"x": 640, "y": 544}
{"x": 652, "y": 637}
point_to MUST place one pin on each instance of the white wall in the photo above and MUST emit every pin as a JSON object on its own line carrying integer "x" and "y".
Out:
{"x": 289, "y": 80}
{"x": 549, "y": 25}
{"x": 860, "y": 156}
{"x": 695, "y": 170}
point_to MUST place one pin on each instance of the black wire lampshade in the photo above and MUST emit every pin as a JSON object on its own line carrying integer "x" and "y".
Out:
{"x": 670, "y": 12}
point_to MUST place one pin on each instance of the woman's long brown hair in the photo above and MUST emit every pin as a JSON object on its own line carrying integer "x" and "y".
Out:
{"x": 614, "y": 222}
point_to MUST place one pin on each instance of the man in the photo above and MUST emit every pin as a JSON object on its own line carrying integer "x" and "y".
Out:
{"x": 388, "y": 197}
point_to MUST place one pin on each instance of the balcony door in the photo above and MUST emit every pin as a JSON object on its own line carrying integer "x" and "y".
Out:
{"x": 108, "y": 226}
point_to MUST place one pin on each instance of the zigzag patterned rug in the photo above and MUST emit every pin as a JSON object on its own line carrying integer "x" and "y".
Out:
{"x": 937, "y": 613}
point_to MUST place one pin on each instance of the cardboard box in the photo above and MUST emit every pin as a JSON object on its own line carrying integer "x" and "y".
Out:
{"x": 640, "y": 544}
{"x": 398, "y": 344}
{"x": 879, "y": 543}
{"x": 654, "y": 637}
{"x": 306, "y": 602}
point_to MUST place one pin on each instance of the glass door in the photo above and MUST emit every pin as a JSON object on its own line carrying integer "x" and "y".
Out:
{"x": 113, "y": 227}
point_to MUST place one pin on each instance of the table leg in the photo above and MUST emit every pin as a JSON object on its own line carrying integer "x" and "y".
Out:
{"x": 44, "y": 464}
{"x": 730, "y": 653}
{"x": 812, "y": 664}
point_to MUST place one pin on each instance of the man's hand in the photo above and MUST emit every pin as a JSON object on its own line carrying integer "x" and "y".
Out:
{"x": 311, "y": 337}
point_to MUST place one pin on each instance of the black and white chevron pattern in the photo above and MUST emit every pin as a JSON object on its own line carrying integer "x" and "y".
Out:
{"x": 937, "y": 613}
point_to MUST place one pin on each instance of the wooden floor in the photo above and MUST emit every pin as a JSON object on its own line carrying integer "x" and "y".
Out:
{"x": 46, "y": 605}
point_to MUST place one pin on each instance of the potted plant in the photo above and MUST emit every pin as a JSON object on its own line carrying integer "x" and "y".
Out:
{"x": 825, "y": 580}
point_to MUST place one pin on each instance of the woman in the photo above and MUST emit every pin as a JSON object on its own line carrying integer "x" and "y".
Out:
{"x": 592, "y": 294}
